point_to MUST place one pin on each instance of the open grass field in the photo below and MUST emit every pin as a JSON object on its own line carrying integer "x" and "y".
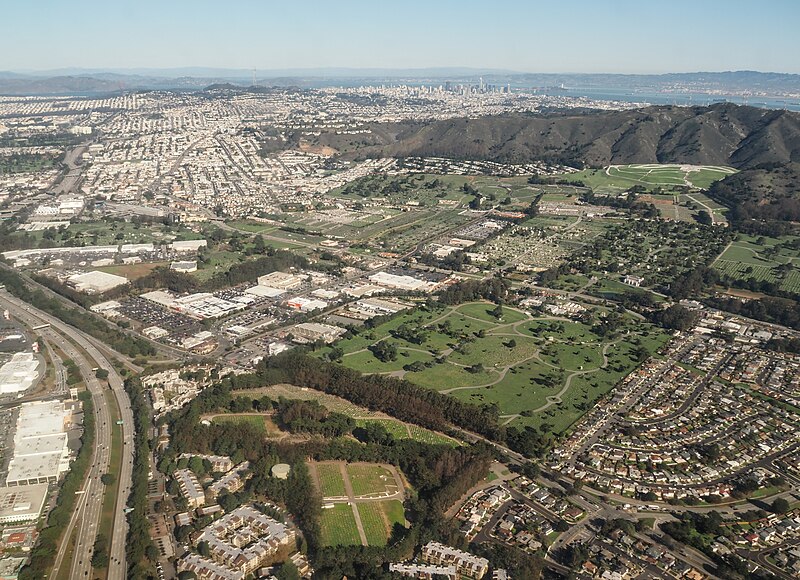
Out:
{"x": 338, "y": 526}
{"x": 535, "y": 369}
{"x": 378, "y": 519}
{"x": 375, "y": 502}
{"x": 400, "y": 430}
{"x": 330, "y": 480}
{"x": 616, "y": 178}
{"x": 369, "y": 479}
{"x": 257, "y": 421}
{"x": 133, "y": 271}
{"x": 763, "y": 259}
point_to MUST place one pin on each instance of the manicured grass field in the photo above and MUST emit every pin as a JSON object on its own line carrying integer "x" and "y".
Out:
{"x": 763, "y": 259}
{"x": 368, "y": 479}
{"x": 517, "y": 363}
{"x": 256, "y": 421}
{"x": 338, "y": 526}
{"x": 482, "y": 312}
{"x": 400, "y": 430}
{"x": 330, "y": 480}
{"x": 378, "y": 519}
{"x": 620, "y": 177}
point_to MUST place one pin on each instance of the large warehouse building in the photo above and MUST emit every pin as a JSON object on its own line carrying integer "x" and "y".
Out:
{"x": 19, "y": 373}
{"x": 40, "y": 444}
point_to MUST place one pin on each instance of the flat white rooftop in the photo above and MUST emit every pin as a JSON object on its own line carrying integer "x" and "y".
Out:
{"x": 18, "y": 504}
{"x": 19, "y": 373}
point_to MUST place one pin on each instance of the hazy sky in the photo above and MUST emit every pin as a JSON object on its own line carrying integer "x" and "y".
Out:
{"x": 531, "y": 36}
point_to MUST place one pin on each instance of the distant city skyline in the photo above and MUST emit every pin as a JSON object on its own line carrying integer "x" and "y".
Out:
{"x": 577, "y": 37}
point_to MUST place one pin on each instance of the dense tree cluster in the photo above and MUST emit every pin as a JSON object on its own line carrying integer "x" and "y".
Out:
{"x": 493, "y": 289}
{"x": 768, "y": 309}
{"x": 398, "y": 398}
{"x": 139, "y": 547}
{"x": 675, "y": 317}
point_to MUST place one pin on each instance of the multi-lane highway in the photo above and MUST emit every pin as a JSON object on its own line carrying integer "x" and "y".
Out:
{"x": 86, "y": 517}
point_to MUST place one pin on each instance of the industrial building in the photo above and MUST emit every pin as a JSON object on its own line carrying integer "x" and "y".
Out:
{"x": 40, "y": 444}
{"x": 281, "y": 280}
{"x": 95, "y": 282}
{"x": 185, "y": 267}
{"x": 306, "y": 304}
{"x": 188, "y": 245}
{"x": 19, "y": 373}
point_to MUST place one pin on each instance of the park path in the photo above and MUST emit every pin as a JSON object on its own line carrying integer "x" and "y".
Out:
{"x": 348, "y": 489}
{"x": 556, "y": 399}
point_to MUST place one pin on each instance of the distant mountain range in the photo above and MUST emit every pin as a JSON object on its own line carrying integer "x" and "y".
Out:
{"x": 96, "y": 81}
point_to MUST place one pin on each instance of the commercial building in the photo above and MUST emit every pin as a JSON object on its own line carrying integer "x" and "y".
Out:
{"x": 314, "y": 331}
{"x": 40, "y": 444}
{"x": 19, "y": 373}
{"x": 281, "y": 280}
{"x": 95, "y": 282}
{"x": 398, "y": 282}
{"x": 22, "y": 504}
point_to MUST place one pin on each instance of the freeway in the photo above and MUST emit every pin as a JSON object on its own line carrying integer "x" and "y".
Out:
{"x": 89, "y": 505}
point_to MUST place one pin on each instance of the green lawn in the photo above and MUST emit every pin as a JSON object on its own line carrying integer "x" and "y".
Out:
{"x": 620, "y": 177}
{"x": 482, "y": 311}
{"x": 338, "y": 526}
{"x": 330, "y": 480}
{"x": 256, "y": 421}
{"x": 378, "y": 519}
{"x": 368, "y": 479}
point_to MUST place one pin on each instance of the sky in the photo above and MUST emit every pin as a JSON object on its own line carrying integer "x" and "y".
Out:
{"x": 648, "y": 36}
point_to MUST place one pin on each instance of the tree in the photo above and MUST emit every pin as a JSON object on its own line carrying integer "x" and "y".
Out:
{"x": 101, "y": 374}
{"x": 384, "y": 351}
{"x": 704, "y": 218}
{"x": 780, "y": 506}
{"x": 107, "y": 478}
{"x": 288, "y": 571}
{"x": 197, "y": 466}
{"x": 497, "y": 312}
